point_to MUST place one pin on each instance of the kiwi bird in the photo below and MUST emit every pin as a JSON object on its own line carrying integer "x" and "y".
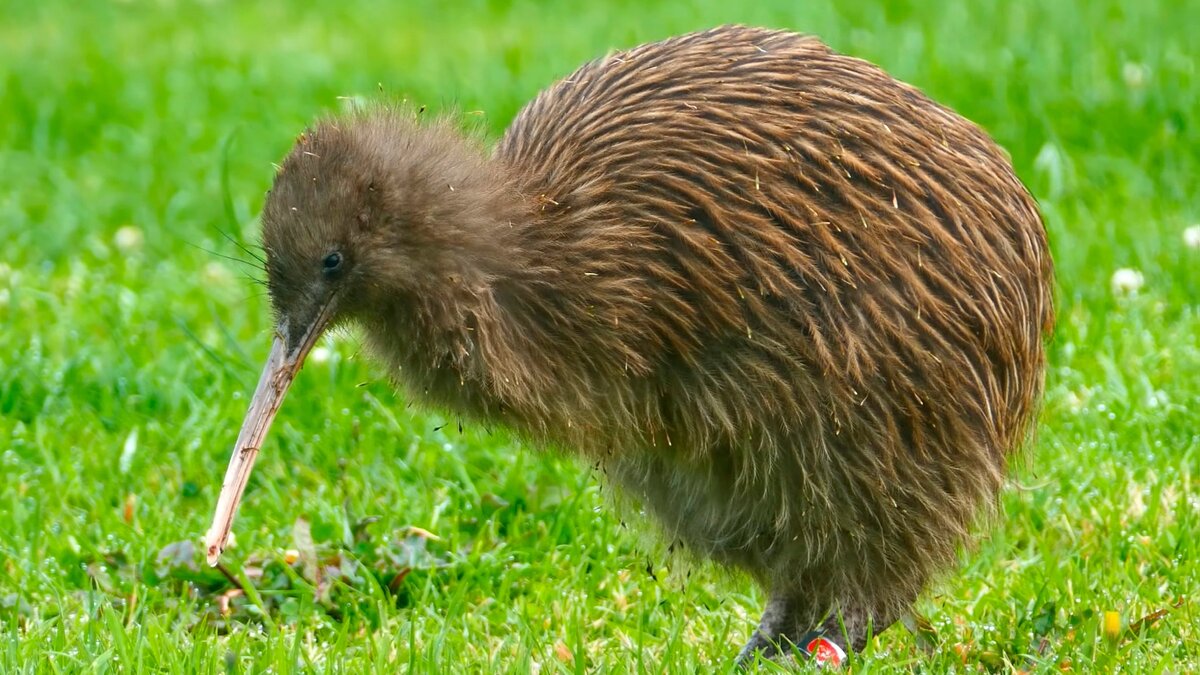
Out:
{"x": 790, "y": 305}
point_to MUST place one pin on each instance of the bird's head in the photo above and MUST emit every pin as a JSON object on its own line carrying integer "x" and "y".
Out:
{"x": 365, "y": 211}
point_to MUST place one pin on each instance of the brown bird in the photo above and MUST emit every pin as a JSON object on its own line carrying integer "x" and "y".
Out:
{"x": 792, "y": 306}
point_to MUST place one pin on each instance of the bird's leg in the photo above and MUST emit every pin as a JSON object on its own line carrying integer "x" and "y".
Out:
{"x": 853, "y": 626}
{"x": 788, "y": 627}
{"x": 849, "y": 628}
{"x": 778, "y": 623}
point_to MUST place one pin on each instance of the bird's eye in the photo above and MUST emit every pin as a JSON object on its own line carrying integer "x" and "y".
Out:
{"x": 332, "y": 263}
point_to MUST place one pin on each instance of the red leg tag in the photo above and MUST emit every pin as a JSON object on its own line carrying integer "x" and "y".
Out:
{"x": 825, "y": 652}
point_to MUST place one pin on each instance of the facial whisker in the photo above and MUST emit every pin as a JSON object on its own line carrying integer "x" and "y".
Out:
{"x": 260, "y": 267}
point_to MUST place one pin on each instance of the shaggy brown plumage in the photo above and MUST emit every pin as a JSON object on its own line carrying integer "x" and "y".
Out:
{"x": 788, "y": 303}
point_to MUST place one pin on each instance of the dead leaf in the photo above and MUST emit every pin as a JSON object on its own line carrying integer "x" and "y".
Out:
{"x": 415, "y": 531}
{"x": 131, "y": 603}
{"x": 225, "y": 599}
{"x": 130, "y": 504}
{"x": 563, "y": 652}
{"x": 1150, "y": 619}
{"x": 302, "y": 538}
{"x": 176, "y": 555}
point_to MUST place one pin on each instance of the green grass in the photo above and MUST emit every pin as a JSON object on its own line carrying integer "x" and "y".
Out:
{"x": 125, "y": 359}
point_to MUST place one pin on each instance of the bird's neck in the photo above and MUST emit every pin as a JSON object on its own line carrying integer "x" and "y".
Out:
{"x": 475, "y": 340}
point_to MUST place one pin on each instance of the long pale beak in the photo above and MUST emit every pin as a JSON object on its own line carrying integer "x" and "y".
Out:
{"x": 283, "y": 363}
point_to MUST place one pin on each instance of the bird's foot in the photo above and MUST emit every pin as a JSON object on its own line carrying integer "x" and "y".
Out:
{"x": 813, "y": 647}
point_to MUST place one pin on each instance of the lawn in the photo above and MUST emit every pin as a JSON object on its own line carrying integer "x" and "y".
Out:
{"x": 136, "y": 142}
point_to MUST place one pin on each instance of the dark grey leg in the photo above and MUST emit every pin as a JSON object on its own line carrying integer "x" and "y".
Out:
{"x": 779, "y": 621}
{"x": 852, "y": 628}
{"x": 787, "y": 624}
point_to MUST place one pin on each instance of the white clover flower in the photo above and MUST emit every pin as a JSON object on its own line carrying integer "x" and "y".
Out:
{"x": 1191, "y": 237}
{"x": 216, "y": 274}
{"x": 129, "y": 238}
{"x": 1135, "y": 75}
{"x": 1126, "y": 281}
{"x": 1075, "y": 401}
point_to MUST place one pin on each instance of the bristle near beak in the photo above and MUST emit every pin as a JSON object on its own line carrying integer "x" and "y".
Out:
{"x": 283, "y": 362}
